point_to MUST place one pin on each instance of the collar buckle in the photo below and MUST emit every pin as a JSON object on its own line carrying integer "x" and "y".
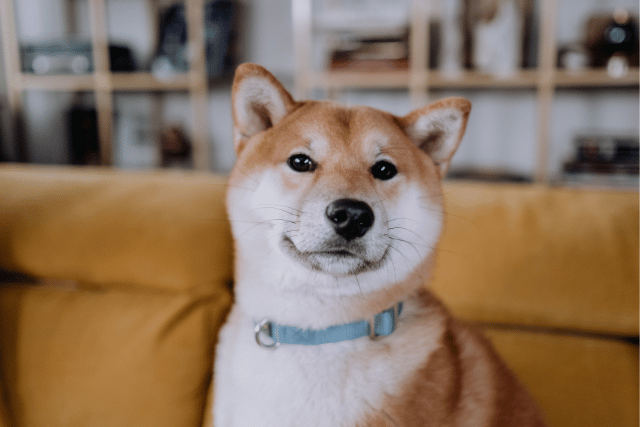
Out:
{"x": 377, "y": 320}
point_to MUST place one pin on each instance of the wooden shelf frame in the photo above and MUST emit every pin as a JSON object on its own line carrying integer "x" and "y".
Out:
{"x": 419, "y": 80}
{"x": 104, "y": 83}
{"x": 436, "y": 80}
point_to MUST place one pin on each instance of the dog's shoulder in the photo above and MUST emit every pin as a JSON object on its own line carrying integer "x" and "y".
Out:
{"x": 483, "y": 372}
{"x": 463, "y": 382}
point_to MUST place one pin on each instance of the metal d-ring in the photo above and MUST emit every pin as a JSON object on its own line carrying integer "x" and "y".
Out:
{"x": 372, "y": 331}
{"x": 264, "y": 326}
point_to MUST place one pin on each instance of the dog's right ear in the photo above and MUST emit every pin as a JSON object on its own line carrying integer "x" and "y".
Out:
{"x": 258, "y": 102}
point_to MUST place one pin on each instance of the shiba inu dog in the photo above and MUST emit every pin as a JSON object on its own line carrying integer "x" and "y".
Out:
{"x": 336, "y": 213}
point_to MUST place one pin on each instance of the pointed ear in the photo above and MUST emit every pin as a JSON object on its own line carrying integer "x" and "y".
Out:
{"x": 258, "y": 102}
{"x": 438, "y": 128}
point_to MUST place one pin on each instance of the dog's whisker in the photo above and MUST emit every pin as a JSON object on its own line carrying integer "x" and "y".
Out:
{"x": 270, "y": 222}
{"x": 282, "y": 207}
{"x": 380, "y": 200}
{"x": 362, "y": 294}
{"x": 470, "y": 221}
{"x": 341, "y": 297}
{"x": 406, "y": 260}
{"x": 274, "y": 208}
{"x": 412, "y": 232}
{"x": 413, "y": 245}
{"x": 445, "y": 212}
{"x": 401, "y": 219}
{"x": 410, "y": 243}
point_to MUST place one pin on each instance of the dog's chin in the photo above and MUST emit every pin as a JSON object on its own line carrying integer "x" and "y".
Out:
{"x": 333, "y": 262}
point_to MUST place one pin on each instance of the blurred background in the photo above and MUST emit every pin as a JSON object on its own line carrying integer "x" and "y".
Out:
{"x": 142, "y": 84}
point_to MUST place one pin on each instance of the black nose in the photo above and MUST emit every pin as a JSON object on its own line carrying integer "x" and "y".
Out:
{"x": 350, "y": 218}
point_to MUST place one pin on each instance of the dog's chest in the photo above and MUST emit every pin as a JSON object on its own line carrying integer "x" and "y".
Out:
{"x": 328, "y": 385}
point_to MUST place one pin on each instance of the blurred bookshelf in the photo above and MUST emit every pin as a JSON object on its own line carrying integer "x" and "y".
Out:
{"x": 415, "y": 71}
{"x": 103, "y": 81}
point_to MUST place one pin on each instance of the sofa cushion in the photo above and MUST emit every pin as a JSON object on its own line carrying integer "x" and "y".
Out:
{"x": 107, "y": 358}
{"x": 4, "y": 407}
{"x": 540, "y": 256}
{"x": 97, "y": 226}
{"x": 578, "y": 381}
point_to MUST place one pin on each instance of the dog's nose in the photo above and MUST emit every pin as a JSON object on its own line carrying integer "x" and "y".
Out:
{"x": 350, "y": 218}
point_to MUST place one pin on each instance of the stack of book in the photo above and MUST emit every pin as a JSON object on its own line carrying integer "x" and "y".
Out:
{"x": 373, "y": 38}
{"x": 372, "y": 55}
{"x": 603, "y": 160}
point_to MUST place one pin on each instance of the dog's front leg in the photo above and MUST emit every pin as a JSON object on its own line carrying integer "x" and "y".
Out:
{"x": 223, "y": 406}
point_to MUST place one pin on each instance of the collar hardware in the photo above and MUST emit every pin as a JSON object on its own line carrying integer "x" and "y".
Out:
{"x": 264, "y": 328}
{"x": 379, "y": 324}
{"x": 272, "y": 335}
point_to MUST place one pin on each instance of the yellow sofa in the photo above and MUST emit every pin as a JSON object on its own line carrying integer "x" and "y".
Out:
{"x": 114, "y": 286}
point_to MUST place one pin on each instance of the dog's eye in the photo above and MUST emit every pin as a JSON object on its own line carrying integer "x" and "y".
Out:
{"x": 301, "y": 163}
{"x": 383, "y": 170}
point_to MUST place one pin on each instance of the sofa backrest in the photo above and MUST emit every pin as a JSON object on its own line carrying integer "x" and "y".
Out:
{"x": 537, "y": 256}
{"x": 166, "y": 231}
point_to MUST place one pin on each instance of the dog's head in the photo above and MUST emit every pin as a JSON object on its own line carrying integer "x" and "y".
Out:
{"x": 332, "y": 199}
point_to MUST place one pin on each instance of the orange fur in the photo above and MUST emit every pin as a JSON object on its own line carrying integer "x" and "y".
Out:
{"x": 451, "y": 388}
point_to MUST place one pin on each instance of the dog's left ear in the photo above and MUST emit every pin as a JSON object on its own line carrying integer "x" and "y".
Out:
{"x": 438, "y": 128}
{"x": 258, "y": 102}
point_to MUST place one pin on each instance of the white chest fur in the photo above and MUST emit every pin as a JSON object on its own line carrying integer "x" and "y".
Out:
{"x": 327, "y": 385}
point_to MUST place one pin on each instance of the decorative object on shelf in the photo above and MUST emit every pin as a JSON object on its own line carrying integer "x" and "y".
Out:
{"x": 83, "y": 135}
{"x": 369, "y": 35}
{"x": 176, "y": 148}
{"x": 70, "y": 57}
{"x": 617, "y": 66}
{"x": 135, "y": 138}
{"x": 3, "y": 155}
{"x": 573, "y": 57}
{"x": 121, "y": 59}
{"x": 612, "y": 37}
{"x": 603, "y": 159}
{"x": 372, "y": 55}
{"x": 57, "y": 57}
{"x": 497, "y": 34}
{"x": 488, "y": 175}
{"x": 172, "y": 55}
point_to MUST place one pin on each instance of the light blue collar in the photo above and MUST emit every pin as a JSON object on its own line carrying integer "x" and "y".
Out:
{"x": 382, "y": 324}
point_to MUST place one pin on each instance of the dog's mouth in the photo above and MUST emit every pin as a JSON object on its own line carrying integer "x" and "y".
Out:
{"x": 338, "y": 253}
{"x": 332, "y": 260}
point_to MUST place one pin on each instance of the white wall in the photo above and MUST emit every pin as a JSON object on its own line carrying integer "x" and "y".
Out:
{"x": 501, "y": 133}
